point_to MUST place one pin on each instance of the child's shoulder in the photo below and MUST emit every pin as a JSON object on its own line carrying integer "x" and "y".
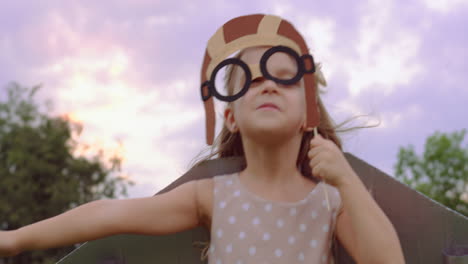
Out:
{"x": 205, "y": 200}
{"x": 205, "y": 197}
{"x": 333, "y": 195}
{"x": 205, "y": 186}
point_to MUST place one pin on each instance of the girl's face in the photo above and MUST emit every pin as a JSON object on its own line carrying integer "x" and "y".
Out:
{"x": 246, "y": 113}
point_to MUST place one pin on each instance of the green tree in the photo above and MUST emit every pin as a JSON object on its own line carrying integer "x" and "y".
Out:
{"x": 442, "y": 171}
{"x": 40, "y": 177}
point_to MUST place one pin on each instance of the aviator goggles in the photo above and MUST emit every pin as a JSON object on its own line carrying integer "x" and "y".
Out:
{"x": 285, "y": 73}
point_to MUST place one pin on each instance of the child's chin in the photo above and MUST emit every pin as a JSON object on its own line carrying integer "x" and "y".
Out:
{"x": 273, "y": 132}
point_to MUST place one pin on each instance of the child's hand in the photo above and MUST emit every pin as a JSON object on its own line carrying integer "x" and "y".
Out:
{"x": 328, "y": 162}
{"x": 7, "y": 244}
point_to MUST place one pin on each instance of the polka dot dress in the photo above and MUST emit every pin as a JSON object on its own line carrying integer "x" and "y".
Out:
{"x": 249, "y": 229}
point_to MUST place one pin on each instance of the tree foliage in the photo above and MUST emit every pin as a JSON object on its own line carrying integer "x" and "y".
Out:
{"x": 39, "y": 175}
{"x": 441, "y": 173}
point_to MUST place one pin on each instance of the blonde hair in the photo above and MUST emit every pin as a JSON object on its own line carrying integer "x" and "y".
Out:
{"x": 228, "y": 144}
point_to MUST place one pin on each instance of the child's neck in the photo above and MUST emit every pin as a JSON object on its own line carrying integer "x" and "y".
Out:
{"x": 273, "y": 165}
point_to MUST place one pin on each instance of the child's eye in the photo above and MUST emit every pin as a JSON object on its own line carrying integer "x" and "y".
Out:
{"x": 285, "y": 75}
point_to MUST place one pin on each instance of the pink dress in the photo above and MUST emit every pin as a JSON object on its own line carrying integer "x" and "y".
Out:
{"x": 248, "y": 229}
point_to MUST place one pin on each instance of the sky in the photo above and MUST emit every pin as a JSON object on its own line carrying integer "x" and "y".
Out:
{"x": 128, "y": 71}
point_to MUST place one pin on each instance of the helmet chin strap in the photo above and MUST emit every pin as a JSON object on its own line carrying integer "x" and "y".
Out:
{"x": 326, "y": 196}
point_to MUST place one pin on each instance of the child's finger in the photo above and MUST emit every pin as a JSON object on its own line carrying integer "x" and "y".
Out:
{"x": 314, "y": 162}
{"x": 317, "y": 140}
{"x": 314, "y": 151}
{"x": 317, "y": 171}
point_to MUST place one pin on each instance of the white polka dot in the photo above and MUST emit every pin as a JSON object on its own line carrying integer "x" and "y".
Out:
{"x": 337, "y": 193}
{"x": 229, "y": 248}
{"x": 229, "y": 182}
{"x": 301, "y": 257}
{"x": 313, "y": 243}
{"x": 268, "y": 207}
{"x": 279, "y": 223}
{"x": 256, "y": 221}
{"x": 241, "y": 235}
{"x": 237, "y": 193}
{"x": 252, "y": 250}
{"x": 232, "y": 219}
{"x": 222, "y": 204}
{"x": 302, "y": 227}
{"x": 325, "y": 228}
{"x": 313, "y": 214}
{"x": 212, "y": 248}
{"x": 293, "y": 211}
{"x": 266, "y": 236}
{"x": 278, "y": 252}
{"x": 219, "y": 261}
{"x": 291, "y": 240}
{"x": 246, "y": 206}
{"x": 219, "y": 232}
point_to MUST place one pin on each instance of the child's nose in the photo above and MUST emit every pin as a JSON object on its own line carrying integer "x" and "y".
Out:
{"x": 269, "y": 86}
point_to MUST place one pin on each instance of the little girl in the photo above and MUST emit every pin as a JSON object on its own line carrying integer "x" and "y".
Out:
{"x": 296, "y": 191}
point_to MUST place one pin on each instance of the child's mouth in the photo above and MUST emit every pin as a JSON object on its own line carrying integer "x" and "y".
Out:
{"x": 268, "y": 106}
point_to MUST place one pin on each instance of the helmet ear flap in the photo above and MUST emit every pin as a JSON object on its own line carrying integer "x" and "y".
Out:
{"x": 311, "y": 97}
{"x": 210, "y": 120}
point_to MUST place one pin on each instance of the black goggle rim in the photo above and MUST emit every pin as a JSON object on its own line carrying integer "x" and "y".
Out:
{"x": 300, "y": 60}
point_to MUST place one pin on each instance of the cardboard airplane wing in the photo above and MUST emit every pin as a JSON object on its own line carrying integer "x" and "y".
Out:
{"x": 429, "y": 232}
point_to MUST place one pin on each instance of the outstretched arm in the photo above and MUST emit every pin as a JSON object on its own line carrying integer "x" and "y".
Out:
{"x": 364, "y": 229}
{"x": 171, "y": 212}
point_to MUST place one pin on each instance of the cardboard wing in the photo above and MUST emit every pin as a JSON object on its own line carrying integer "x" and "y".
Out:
{"x": 429, "y": 232}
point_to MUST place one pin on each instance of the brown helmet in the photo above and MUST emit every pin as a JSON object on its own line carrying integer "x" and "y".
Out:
{"x": 248, "y": 31}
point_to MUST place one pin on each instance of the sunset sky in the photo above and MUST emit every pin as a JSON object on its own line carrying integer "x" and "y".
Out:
{"x": 129, "y": 71}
